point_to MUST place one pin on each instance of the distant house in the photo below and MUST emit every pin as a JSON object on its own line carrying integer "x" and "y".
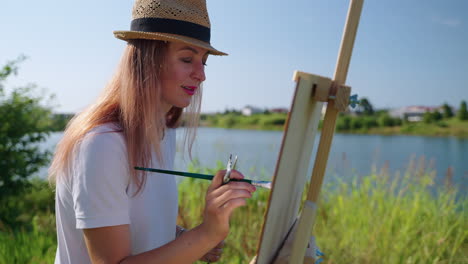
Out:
{"x": 250, "y": 110}
{"x": 413, "y": 113}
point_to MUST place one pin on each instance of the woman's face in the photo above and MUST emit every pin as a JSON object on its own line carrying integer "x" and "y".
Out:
{"x": 183, "y": 72}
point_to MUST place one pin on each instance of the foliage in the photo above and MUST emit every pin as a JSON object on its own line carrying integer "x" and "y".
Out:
{"x": 24, "y": 122}
{"x": 365, "y": 107}
{"x": 32, "y": 239}
{"x": 59, "y": 121}
{"x": 385, "y": 120}
{"x": 343, "y": 123}
{"x": 448, "y": 113}
{"x": 35, "y": 203}
{"x": 397, "y": 219}
{"x": 227, "y": 121}
{"x": 23, "y": 246}
{"x": 245, "y": 223}
{"x": 463, "y": 112}
{"x": 274, "y": 121}
{"x": 365, "y": 119}
{"x": 432, "y": 117}
{"x": 371, "y": 219}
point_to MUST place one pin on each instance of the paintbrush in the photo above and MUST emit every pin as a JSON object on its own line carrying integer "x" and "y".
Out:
{"x": 263, "y": 184}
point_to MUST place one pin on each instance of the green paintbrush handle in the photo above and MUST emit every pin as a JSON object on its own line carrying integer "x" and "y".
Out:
{"x": 189, "y": 174}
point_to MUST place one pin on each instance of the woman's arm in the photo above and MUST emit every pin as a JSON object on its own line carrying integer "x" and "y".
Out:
{"x": 112, "y": 244}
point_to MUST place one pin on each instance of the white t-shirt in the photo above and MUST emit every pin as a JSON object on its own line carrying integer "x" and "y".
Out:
{"x": 97, "y": 192}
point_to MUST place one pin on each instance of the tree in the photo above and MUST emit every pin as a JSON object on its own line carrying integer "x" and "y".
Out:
{"x": 24, "y": 122}
{"x": 436, "y": 115}
{"x": 448, "y": 113}
{"x": 428, "y": 118}
{"x": 366, "y": 107}
{"x": 463, "y": 112}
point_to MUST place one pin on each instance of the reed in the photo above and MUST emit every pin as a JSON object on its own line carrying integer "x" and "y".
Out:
{"x": 372, "y": 219}
{"x": 379, "y": 218}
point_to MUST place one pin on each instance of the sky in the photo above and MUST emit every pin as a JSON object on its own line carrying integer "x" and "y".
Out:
{"x": 407, "y": 52}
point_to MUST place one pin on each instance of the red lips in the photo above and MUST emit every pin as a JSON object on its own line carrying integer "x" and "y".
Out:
{"x": 190, "y": 90}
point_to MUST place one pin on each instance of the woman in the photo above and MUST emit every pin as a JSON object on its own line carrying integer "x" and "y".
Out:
{"x": 106, "y": 211}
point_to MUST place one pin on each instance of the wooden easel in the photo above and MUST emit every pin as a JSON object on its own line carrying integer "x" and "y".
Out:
{"x": 285, "y": 236}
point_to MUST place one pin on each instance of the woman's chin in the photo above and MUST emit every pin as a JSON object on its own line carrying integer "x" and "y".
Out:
{"x": 182, "y": 104}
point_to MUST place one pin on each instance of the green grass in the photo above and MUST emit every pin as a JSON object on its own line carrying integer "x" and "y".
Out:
{"x": 378, "y": 220}
{"x": 246, "y": 223}
{"x": 442, "y": 128}
{"x": 370, "y": 219}
{"x": 373, "y": 219}
{"x": 272, "y": 121}
{"x": 33, "y": 246}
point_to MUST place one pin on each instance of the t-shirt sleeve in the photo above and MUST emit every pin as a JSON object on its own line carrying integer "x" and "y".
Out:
{"x": 100, "y": 180}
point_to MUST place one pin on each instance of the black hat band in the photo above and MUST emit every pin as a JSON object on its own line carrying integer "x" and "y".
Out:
{"x": 171, "y": 26}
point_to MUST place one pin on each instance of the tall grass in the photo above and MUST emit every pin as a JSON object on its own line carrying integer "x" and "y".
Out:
{"x": 246, "y": 223}
{"x": 378, "y": 218}
{"x": 372, "y": 219}
{"x": 29, "y": 246}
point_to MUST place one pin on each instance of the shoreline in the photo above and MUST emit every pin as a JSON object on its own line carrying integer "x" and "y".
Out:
{"x": 378, "y": 132}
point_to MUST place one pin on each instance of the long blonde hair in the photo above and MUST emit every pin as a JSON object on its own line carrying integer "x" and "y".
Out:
{"x": 132, "y": 99}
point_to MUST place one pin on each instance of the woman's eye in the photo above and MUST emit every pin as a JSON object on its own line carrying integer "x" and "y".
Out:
{"x": 187, "y": 60}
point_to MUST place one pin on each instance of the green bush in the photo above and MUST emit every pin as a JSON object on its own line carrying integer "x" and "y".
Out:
{"x": 227, "y": 121}
{"x": 448, "y": 113}
{"x": 272, "y": 120}
{"x": 31, "y": 237}
{"x": 437, "y": 116}
{"x": 34, "y": 203}
{"x": 428, "y": 118}
{"x": 369, "y": 122}
{"x": 386, "y": 121}
{"x": 343, "y": 123}
{"x": 24, "y": 123}
{"x": 462, "y": 113}
{"x": 356, "y": 123}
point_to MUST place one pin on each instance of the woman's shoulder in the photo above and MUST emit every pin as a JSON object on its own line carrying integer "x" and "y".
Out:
{"x": 106, "y": 128}
{"x": 104, "y": 138}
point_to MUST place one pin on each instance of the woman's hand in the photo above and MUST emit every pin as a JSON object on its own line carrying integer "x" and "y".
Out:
{"x": 220, "y": 202}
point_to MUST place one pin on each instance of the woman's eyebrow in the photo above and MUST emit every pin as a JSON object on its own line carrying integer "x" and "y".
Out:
{"x": 191, "y": 49}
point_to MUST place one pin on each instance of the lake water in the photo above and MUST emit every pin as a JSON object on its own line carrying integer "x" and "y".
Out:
{"x": 350, "y": 154}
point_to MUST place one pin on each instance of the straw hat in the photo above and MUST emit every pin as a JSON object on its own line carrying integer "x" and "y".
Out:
{"x": 184, "y": 21}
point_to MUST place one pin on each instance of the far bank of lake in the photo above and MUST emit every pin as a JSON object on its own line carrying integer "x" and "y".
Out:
{"x": 381, "y": 124}
{"x": 351, "y": 154}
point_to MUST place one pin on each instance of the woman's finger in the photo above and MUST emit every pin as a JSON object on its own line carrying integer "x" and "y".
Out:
{"x": 235, "y": 174}
{"x": 217, "y": 180}
{"x": 229, "y": 206}
{"x": 230, "y": 194}
{"x": 232, "y": 185}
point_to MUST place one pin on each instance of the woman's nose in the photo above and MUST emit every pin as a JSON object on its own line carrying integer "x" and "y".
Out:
{"x": 199, "y": 72}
